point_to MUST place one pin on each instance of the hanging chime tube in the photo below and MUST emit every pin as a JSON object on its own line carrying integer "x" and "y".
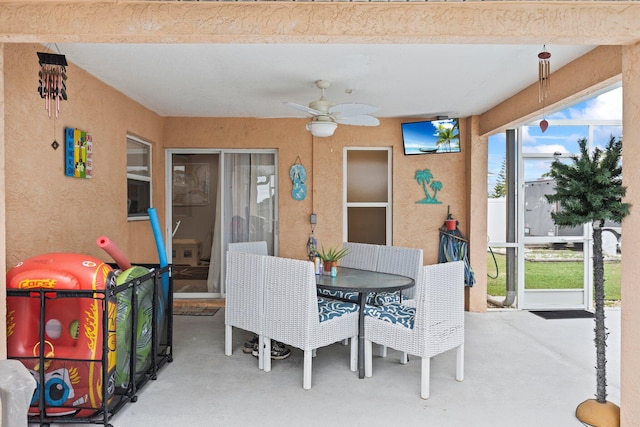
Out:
{"x": 544, "y": 74}
{"x": 52, "y": 80}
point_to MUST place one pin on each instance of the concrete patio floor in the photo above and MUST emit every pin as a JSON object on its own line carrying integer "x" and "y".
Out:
{"x": 520, "y": 370}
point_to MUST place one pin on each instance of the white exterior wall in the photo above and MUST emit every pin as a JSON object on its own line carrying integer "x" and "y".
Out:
{"x": 497, "y": 220}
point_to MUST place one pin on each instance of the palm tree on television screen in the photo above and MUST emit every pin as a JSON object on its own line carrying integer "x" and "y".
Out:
{"x": 447, "y": 133}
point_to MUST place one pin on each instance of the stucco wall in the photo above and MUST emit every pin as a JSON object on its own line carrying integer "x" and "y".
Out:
{"x": 263, "y": 134}
{"x": 48, "y": 211}
{"x": 3, "y": 253}
{"x": 630, "y": 339}
{"x": 414, "y": 225}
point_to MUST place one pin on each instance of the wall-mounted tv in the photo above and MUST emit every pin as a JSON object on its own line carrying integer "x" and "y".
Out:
{"x": 431, "y": 136}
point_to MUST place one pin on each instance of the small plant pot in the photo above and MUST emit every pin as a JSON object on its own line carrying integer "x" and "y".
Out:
{"x": 451, "y": 224}
{"x": 326, "y": 267}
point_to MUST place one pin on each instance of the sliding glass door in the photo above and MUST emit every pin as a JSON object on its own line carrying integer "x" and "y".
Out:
{"x": 240, "y": 206}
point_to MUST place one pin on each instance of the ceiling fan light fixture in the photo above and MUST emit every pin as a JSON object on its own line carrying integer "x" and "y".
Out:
{"x": 321, "y": 129}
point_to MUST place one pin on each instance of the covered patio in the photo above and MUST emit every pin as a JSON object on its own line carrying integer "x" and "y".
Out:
{"x": 520, "y": 369}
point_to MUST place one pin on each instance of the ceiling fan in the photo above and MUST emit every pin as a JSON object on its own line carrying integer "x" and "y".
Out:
{"x": 326, "y": 116}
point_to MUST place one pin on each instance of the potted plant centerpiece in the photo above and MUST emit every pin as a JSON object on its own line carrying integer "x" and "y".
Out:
{"x": 331, "y": 256}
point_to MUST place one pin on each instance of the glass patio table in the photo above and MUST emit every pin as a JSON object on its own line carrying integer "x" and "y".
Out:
{"x": 363, "y": 282}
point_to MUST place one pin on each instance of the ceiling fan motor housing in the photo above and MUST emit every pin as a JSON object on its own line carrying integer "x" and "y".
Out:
{"x": 321, "y": 105}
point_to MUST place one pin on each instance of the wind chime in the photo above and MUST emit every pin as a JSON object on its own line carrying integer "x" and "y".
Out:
{"x": 52, "y": 86}
{"x": 544, "y": 82}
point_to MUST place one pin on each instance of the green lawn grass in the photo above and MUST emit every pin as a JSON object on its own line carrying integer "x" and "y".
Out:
{"x": 551, "y": 275}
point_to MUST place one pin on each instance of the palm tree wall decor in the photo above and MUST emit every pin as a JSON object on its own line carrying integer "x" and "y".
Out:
{"x": 590, "y": 190}
{"x": 424, "y": 178}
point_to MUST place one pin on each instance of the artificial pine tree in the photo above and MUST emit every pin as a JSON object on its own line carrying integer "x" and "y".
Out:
{"x": 590, "y": 190}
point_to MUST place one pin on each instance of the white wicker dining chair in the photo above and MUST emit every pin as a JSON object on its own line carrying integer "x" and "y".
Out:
{"x": 244, "y": 285}
{"x": 363, "y": 256}
{"x": 293, "y": 311}
{"x": 405, "y": 262}
{"x": 434, "y": 326}
{"x": 258, "y": 248}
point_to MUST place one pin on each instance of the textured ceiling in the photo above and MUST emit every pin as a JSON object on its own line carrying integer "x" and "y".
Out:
{"x": 253, "y": 80}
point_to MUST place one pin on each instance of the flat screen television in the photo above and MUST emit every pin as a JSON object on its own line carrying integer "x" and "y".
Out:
{"x": 431, "y": 137}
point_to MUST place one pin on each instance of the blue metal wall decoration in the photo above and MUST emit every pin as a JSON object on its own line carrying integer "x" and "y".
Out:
{"x": 424, "y": 178}
{"x": 298, "y": 175}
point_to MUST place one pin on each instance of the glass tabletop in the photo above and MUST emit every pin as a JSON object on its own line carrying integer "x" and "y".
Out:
{"x": 352, "y": 279}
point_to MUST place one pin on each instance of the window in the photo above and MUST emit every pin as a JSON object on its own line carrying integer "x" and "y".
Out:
{"x": 367, "y": 195}
{"x": 138, "y": 178}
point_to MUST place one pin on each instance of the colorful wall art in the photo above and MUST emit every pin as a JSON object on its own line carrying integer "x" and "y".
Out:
{"x": 78, "y": 153}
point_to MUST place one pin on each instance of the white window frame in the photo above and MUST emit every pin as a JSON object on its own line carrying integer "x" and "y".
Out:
{"x": 387, "y": 205}
{"x": 143, "y": 178}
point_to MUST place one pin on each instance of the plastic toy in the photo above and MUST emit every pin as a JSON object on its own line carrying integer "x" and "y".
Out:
{"x": 64, "y": 348}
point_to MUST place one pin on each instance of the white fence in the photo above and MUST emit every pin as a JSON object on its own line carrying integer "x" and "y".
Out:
{"x": 497, "y": 220}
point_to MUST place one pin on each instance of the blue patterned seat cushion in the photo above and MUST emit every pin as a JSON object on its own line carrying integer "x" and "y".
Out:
{"x": 384, "y": 298}
{"x": 392, "y": 313}
{"x": 373, "y": 298}
{"x": 341, "y": 295}
{"x": 331, "y": 308}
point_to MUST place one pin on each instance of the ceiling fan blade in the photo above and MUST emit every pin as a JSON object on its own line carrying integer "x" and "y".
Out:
{"x": 363, "y": 120}
{"x": 308, "y": 110}
{"x": 352, "y": 109}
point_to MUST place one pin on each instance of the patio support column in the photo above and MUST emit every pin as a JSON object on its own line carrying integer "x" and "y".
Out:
{"x": 477, "y": 213}
{"x": 3, "y": 232}
{"x": 630, "y": 345}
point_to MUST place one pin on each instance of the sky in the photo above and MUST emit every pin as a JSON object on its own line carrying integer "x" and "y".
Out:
{"x": 560, "y": 138}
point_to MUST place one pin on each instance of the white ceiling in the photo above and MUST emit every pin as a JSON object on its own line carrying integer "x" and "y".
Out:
{"x": 253, "y": 80}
